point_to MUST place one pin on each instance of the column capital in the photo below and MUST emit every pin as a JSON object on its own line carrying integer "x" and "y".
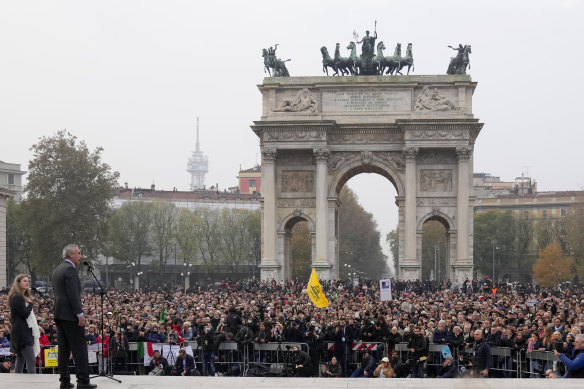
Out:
{"x": 463, "y": 153}
{"x": 269, "y": 154}
{"x": 410, "y": 153}
{"x": 321, "y": 154}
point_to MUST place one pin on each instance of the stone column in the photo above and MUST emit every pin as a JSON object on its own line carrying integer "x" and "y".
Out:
{"x": 410, "y": 205}
{"x": 462, "y": 205}
{"x": 269, "y": 195}
{"x": 321, "y": 156}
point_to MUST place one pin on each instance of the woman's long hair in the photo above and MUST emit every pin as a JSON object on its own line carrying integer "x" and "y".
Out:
{"x": 17, "y": 289}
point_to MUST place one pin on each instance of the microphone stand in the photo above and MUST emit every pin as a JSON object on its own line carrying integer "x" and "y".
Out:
{"x": 101, "y": 294}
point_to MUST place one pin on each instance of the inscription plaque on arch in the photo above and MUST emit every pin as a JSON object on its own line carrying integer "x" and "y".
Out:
{"x": 366, "y": 100}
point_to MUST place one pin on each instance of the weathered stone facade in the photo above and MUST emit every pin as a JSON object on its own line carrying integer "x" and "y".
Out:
{"x": 372, "y": 124}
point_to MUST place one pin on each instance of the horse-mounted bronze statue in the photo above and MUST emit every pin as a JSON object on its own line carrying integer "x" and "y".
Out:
{"x": 459, "y": 63}
{"x": 274, "y": 66}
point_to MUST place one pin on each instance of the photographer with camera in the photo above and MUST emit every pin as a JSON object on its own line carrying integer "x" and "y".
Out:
{"x": 158, "y": 364}
{"x": 207, "y": 342}
{"x": 292, "y": 331}
{"x": 119, "y": 348}
{"x": 301, "y": 362}
{"x": 184, "y": 365}
{"x": 233, "y": 320}
{"x": 315, "y": 344}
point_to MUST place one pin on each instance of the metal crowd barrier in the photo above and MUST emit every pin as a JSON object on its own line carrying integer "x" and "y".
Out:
{"x": 545, "y": 359}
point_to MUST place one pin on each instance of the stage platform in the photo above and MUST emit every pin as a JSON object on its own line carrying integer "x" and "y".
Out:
{"x": 47, "y": 381}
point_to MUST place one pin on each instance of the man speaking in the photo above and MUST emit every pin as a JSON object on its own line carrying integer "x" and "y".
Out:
{"x": 70, "y": 320}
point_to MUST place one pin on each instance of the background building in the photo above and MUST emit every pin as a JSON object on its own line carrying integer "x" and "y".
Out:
{"x": 250, "y": 180}
{"x": 5, "y": 194}
{"x": 11, "y": 178}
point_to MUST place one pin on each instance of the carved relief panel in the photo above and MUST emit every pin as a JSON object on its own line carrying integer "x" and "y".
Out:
{"x": 436, "y": 180}
{"x": 297, "y": 181}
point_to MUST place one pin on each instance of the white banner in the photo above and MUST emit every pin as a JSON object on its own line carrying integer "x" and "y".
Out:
{"x": 385, "y": 290}
{"x": 167, "y": 351}
{"x": 5, "y": 351}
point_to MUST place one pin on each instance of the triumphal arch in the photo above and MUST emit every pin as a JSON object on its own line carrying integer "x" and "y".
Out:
{"x": 318, "y": 132}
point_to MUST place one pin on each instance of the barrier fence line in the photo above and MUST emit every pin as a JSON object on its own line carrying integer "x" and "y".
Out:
{"x": 239, "y": 359}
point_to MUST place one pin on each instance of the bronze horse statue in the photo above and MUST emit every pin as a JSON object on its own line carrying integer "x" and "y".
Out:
{"x": 347, "y": 65}
{"x": 459, "y": 63}
{"x": 408, "y": 61}
{"x": 327, "y": 62}
{"x": 276, "y": 64}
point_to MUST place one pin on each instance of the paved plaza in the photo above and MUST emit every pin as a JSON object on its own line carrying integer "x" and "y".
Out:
{"x": 23, "y": 381}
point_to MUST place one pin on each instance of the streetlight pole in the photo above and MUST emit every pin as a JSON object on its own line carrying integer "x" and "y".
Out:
{"x": 493, "y": 243}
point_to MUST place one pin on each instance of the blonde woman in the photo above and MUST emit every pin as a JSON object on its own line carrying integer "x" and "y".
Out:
{"x": 25, "y": 334}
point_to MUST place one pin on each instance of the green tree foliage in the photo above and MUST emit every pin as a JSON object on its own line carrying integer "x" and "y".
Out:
{"x": 552, "y": 267}
{"x": 434, "y": 251}
{"x": 359, "y": 239}
{"x": 163, "y": 223}
{"x": 209, "y": 237}
{"x": 392, "y": 239}
{"x": 575, "y": 233}
{"x": 301, "y": 252}
{"x": 500, "y": 228}
{"x": 254, "y": 222}
{"x": 186, "y": 235}
{"x": 235, "y": 238}
{"x": 68, "y": 199}
{"x": 18, "y": 240}
{"x": 130, "y": 238}
{"x": 523, "y": 239}
{"x": 546, "y": 232}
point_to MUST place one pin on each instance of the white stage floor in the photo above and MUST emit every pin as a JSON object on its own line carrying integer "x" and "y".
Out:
{"x": 24, "y": 381}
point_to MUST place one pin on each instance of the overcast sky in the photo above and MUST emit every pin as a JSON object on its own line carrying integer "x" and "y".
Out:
{"x": 132, "y": 76}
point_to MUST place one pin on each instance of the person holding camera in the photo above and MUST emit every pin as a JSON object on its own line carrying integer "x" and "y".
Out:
{"x": 301, "y": 362}
{"x": 158, "y": 364}
{"x": 184, "y": 365}
{"x": 206, "y": 340}
{"x": 119, "y": 348}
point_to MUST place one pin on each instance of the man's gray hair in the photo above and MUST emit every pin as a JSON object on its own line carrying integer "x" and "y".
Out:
{"x": 579, "y": 336}
{"x": 68, "y": 250}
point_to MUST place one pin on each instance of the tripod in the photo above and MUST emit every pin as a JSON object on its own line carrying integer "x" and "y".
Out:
{"x": 101, "y": 294}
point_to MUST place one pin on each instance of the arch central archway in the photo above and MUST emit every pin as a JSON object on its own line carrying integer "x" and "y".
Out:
{"x": 366, "y": 125}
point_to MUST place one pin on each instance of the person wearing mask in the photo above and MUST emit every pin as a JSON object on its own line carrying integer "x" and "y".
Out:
{"x": 24, "y": 334}
{"x": 206, "y": 340}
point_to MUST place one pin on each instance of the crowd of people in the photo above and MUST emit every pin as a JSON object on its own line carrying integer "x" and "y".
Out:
{"x": 470, "y": 318}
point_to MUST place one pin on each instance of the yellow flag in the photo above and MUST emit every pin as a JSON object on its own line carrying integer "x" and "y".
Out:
{"x": 315, "y": 291}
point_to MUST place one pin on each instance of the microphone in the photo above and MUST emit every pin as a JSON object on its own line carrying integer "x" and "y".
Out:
{"x": 38, "y": 291}
{"x": 88, "y": 265}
